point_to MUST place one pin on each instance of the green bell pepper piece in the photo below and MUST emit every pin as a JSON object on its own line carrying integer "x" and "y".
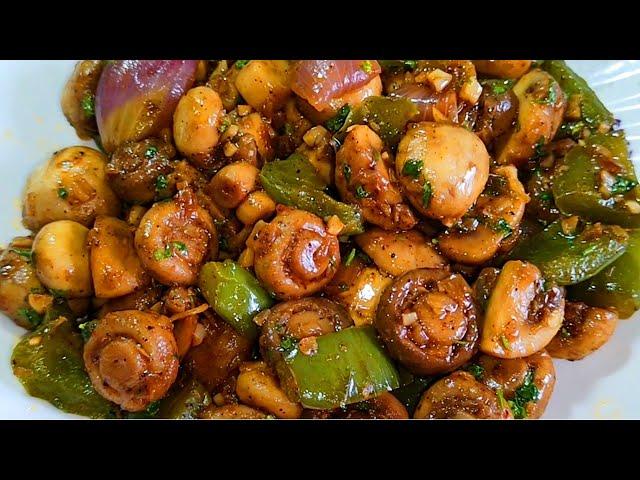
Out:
{"x": 48, "y": 362}
{"x": 593, "y": 112}
{"x": 576, "y": 186}
{"x": 387, "y": 116}
{"x": 291, "y": 183}
{"x": 234, "y": 294}
{"x": 349, "y": 366}
{"x": 618, "y": 285}
{"x": 567, "y": 259}
{"x": 411, "y": 393}
{"x": 185, "y": 402}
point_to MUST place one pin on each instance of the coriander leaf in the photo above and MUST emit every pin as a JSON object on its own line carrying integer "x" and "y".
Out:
{"x": 162, "y": 182}
{"x": 30, "y": 315}
{"x": 623, "y": 185}
{"x": 475, "y": 370}
{"x": 410, "y": 64}
{"x": 288, "y": 346}
{"x": 334, "y": 124}
{"x": 150, "y": 152}
{"x": 23, "y": 252}
{"x": 87, "y": 328}
{"x": 412, "y": 168}
{"x": 366, "y": 66}
{"x": 63, "y": 193}
{"x": 346, "y": 170}
{"x": 505, "y": 342}
{"x": 88, "y": 105}
{"x": 240, "y": 64}
{"x": 503, "y": 227}
{"x": 426, "y": 193}
{"x": 350, "y": 257}
{"x": 361, "y": 192}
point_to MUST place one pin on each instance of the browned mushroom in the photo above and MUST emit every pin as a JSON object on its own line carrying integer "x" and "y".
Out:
{"x": 427, "y": 319}
{"x": 295, "y": 255}
{"x": 174, "y": 239}
{"x": 584, "y": 330}
{"x": 526, "y": 383}
{"x": 131, "y": 358}
{"x": 460, "y": 396}
{"x": 363, "y": 177}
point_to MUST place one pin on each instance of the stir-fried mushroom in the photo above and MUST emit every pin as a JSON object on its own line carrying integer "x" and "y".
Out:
{"x": 295, "y": 255}
{"x": 495, "y": 217}
{"x": 460, "y": 396}
{"x": 525, "y": 383}
{"x": 523, "y": 314}
{"x": 442, "y": 169}
{"x": 427, "y": 319}
{"x": 397, "y": 253}
{"x": 584, "y": 330}
{"x": 174, "y": 239}
{"x": 131, "y": 358}
{"x": 363, "y": 177}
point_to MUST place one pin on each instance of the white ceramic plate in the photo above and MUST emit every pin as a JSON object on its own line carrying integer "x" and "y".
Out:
{"x": 32, "y": 127}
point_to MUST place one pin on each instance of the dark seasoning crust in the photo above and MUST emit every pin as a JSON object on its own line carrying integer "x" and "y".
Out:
{"x": 322, "y": 239}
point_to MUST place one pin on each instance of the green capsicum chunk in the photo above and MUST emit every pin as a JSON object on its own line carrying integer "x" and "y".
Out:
{"x": 48, "y": 362}
{"x": 409, "y": 395}
{"x": 618, "y": 285}
{"x": 570, "y": 258}
{"x": 348, "y": 366}
{"x": 234, "y": 294}
{"x": 592, "y": 111}
{"x": 597, "y": 181}
{"x": 386, "y": 116}
{"x": 291, "y": 183}
{"x": 185, "y": 402}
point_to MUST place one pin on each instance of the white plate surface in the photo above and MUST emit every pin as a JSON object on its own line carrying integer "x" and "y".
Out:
{"x": 603, "y": 386}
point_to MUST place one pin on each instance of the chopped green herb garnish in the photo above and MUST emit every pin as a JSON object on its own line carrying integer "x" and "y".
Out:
{"x": 366, "y": 66}
{"x": 23, "y": 252}
{"x": 351, "y": 257}
{"x": 162, "y": 182}
{"x": 87, "y": 328}
{"x": 500, "y": 87}
{"x": 545, "y": 196}
{"x": 334, "y": 124}
{"x": 288, "y": 346}
{"x": 226, "y": 123}
{"x": 525, "y": 393}
{"x": 505, "y": 342}
{"x": 501, "y": 400}
{"x": 153, "y": 408}
{"x": 30, "y": 315}
{"x": 346, "y": 170}
{"x": 410, "y": 64}
{"x": 475, "y": 370}
{"x": 63, "y": 193}
{"x": 163, "y": 254}
{"x": 564, "y": 333}
{"x": 426, "y": 193}
{"x": 503, "y": 227}
{"x": 412, "y": 168}
{"x": 361, "y": 192}
{"x": 571, "y": 129}
{"x": 150, "y": 152}
{"x": 88, "y": 105}
{"x": 623, "y": 185}
{"x": 551, "y": 97}
{"x": 240, "y": 64}
{"x": 539, "y": 151}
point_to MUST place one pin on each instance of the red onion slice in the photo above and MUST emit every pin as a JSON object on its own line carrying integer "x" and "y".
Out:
{"x": 320, "y": 81}
{"x": 136, "y": 98}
